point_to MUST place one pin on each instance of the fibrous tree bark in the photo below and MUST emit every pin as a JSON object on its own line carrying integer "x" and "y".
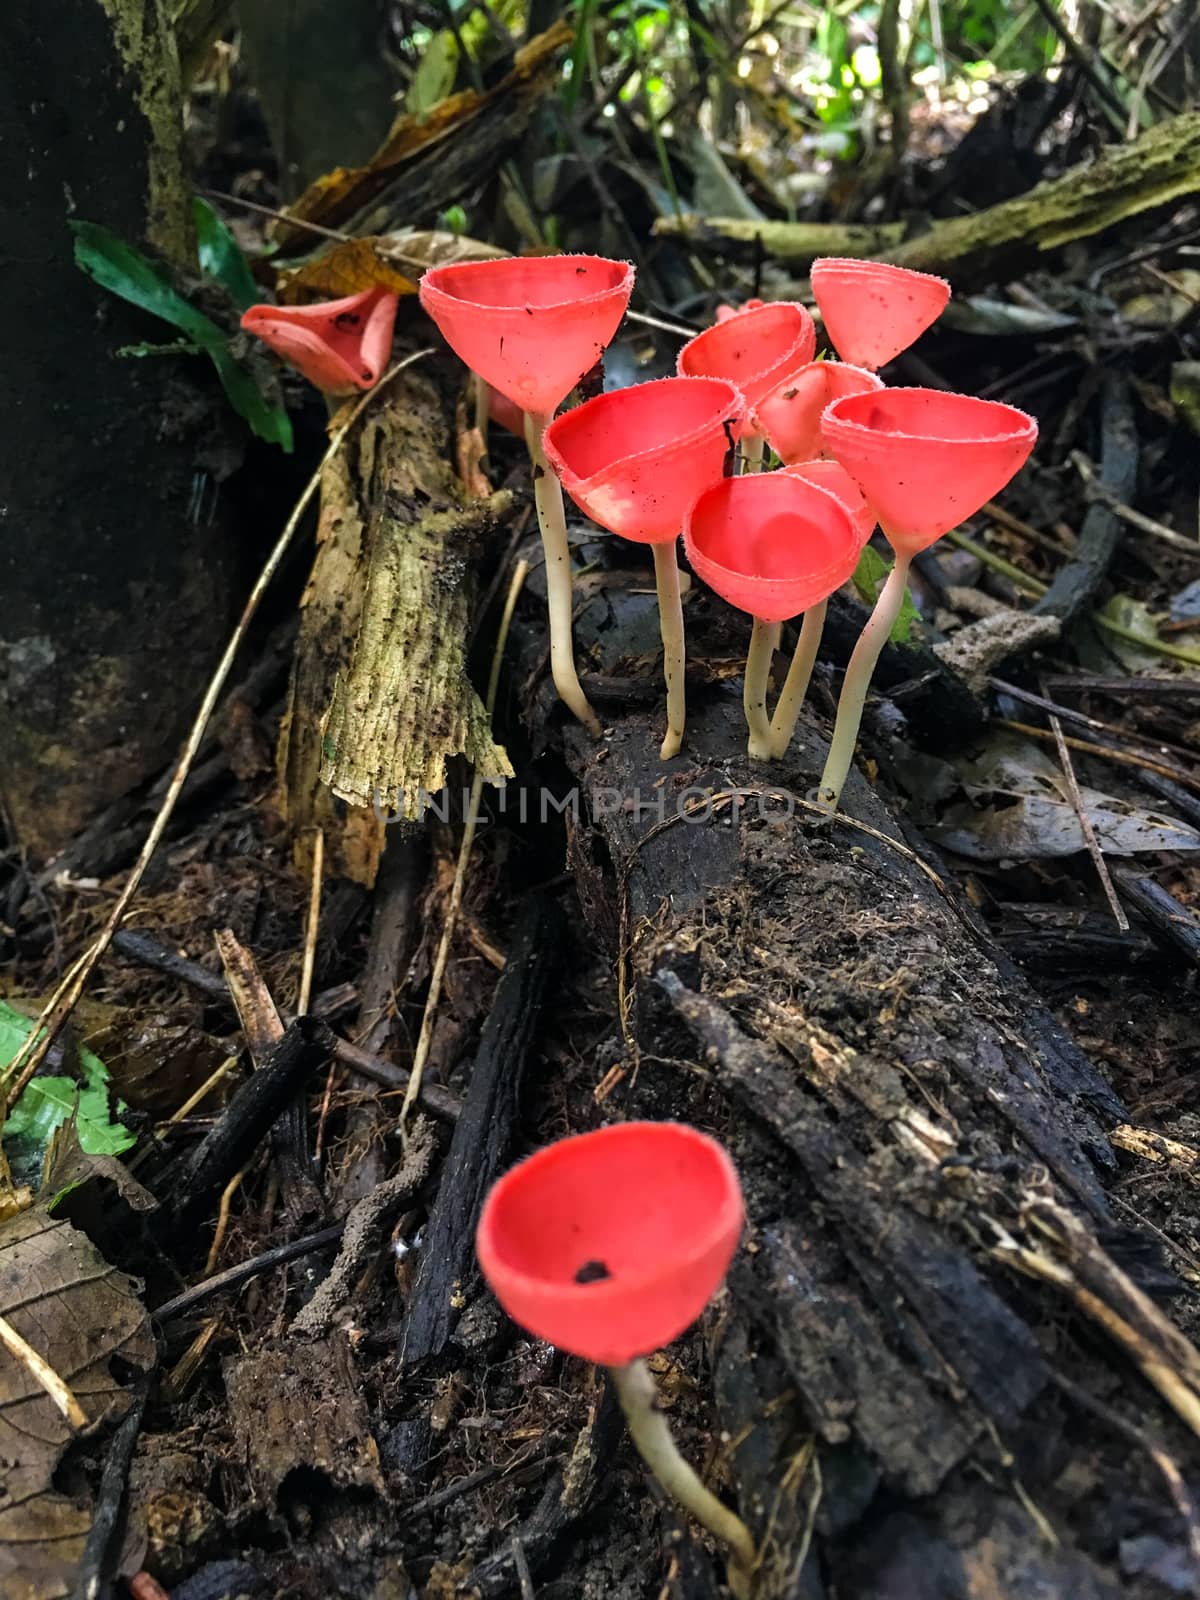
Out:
{"x": 115, "y": 588}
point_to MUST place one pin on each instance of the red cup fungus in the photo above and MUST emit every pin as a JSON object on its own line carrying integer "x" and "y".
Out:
{"x": 835, "y": 480}
{"x": 873, "y": 311}
{"x": 338, "y": 345}
{"x": 609, "y": 1245}
{"x": 756, "y": 349}
{"x": 531, "y": 328}
{"x": 773, "y": 545}
{"x": 789, "y": 418}
{"x": 634, "y": 460}
{"x": 925, "y": 459}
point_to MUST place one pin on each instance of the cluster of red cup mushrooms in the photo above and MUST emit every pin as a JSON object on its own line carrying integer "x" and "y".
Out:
{"x": 649, "y": 462}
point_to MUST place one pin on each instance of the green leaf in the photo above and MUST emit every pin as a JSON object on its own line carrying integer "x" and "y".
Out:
{"x": 220, "y": 257}
{"x": 870, "y": 575}
{"x": 46, "y": 1103}
{"x": 434, "y": 77}
{"x": 125, "y": 272}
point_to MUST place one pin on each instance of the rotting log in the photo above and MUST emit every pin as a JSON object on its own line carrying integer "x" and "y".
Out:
{"x": 1159, "y": 168}
{"x": 906, "y": 1116}
{"x": 931, "y": 1244}
{"x": 380, "y": 697}
{"x": 117, "y": 593}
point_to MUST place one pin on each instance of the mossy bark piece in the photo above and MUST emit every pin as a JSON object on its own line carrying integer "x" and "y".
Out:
{"x": 393, "y": 481}
{"x": 1157, "y": 169}
{"x": 331, "y": 606}
{"x": 407, "y": 704}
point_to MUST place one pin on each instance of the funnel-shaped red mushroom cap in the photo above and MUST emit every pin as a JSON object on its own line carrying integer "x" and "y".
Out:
{"x": 756, "y": 349}
{"x": 835, "y": 480}
{"x": 530, "y": 326}
{"x": 635, "y": 459}
{"x": 340, "y": 345}
{"x": 610, "y": 1244}
{"x": 789, "y": 418}
{"x": 926, "y": 459}
{"x": 872, "y": 311}
{"x": 770, "y": 543}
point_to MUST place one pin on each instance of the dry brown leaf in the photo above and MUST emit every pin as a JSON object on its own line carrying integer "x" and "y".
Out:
{"x": 77, "y": 1313}
{"x": 420, "y": 248}
{"x": 342, "y": 193}
{"x": 347, "y": 268}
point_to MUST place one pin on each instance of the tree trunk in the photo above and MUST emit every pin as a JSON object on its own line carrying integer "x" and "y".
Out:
{"x": 116, "y": 592}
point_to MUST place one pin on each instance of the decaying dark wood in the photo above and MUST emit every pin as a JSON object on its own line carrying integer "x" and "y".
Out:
{"x": 1078, "y": 579}
{"x": 901, "y": 1107}
{"x": 225, "y": 1149}
{"x": 1171, "y": 919}
{"x": 139, "y": 945}
{"x": 483, "y": 1135}
{"x": 293, "y": 1418}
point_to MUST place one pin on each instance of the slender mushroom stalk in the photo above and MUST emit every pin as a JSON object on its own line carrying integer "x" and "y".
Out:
{"x": 925, "y": 459}
{"x": 835, "y": 480}
{"x": 754, "y": 688}
{"x": 609, "y": 1245}
{"x": 651, "y": 1434}
{"x": 634, "y": 460}
{"x": 531, "y": 328}
{"x": 552, "y": 522}
{"x": 774, "y": 545}
{"x": 753, "y": 448}
{"x": 799, "y": 676}
{"x": 670, "y": 621}
{"x": 857, "y": 682}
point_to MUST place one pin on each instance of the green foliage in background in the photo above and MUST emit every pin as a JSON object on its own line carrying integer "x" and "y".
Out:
{"x": 870, "y": 575}
{"x": 125, "y": 272}
{"x": 47, "y": 1102}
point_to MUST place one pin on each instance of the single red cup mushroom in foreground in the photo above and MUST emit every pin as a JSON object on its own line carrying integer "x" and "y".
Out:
{"x": 871, "y": 310}
{"x": 756, "y": 349}
{"x": 789, "y": 418}
{"x": 609, "y": 1245}
{"x": 339, "y": 345}
{"x": 772, "y": 545}
{"x": 634, "y": 460}
{"x": 835, "y": 480}
{"x": 926, "y": 460}
{"x": 531, "y": 328}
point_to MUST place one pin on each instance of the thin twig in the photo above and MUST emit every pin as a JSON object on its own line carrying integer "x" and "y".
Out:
{"x": 43, "y": 1373}
{"x": 33, "y": 1052}
{"x": 1085, "y": 824}
{"x": 232, "y": 1277}
{"x": 1123, "y": 758}
{"x": 222, "y": 1228}
{"x": 89, "y": 1578}
{"x": 521, "y": 1563}
{"x": 1135, "y": 519}
{"x": 425, "y": 1038}
{"x": 314, "y": 923}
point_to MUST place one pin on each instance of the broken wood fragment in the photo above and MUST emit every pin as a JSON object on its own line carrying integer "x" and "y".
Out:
{"x": 1156, "y": 169}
